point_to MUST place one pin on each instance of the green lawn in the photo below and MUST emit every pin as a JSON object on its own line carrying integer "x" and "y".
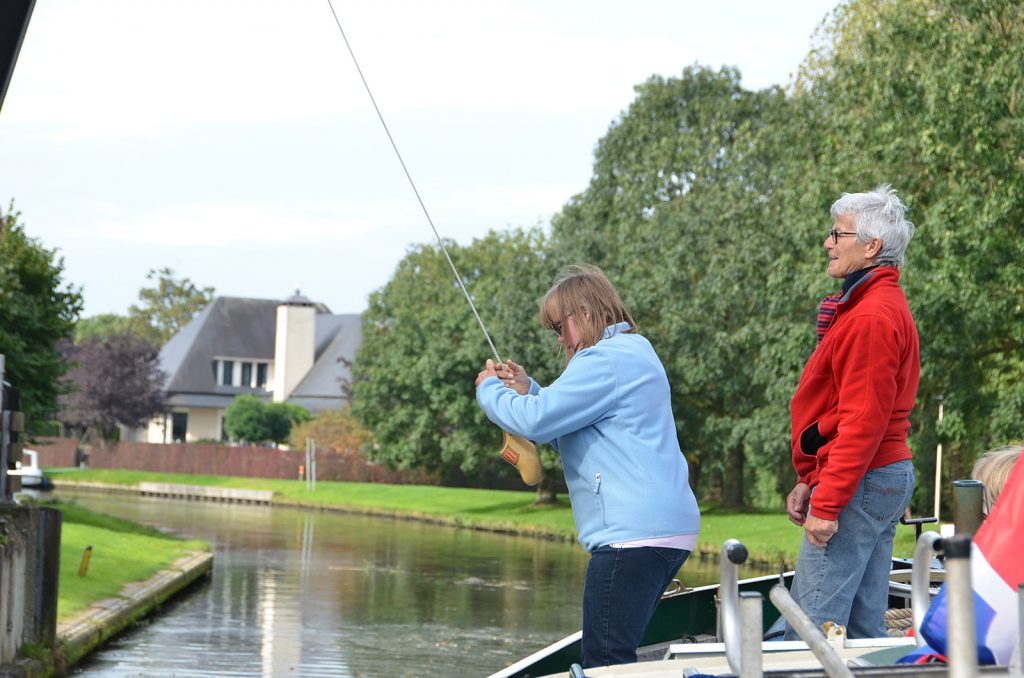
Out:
{"x": 122, "y": 552}
{"x": 768, "y": 535}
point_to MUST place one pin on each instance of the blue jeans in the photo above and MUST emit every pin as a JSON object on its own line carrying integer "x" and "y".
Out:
{"x": 620, "y": 592}
{"x": 847, "y": 581}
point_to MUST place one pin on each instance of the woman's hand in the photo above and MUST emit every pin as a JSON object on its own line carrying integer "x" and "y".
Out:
{"x": 488, "y": 371}
{"x": 514, "y": 376}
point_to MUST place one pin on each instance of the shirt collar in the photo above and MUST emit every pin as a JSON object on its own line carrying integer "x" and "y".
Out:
{"x": 855, "y": 278}
{"x": 617, "y": 328}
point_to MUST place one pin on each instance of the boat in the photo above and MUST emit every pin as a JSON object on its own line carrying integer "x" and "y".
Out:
{"x": 685, "y": 616}
{"x": 821, "y": 651}
{"x": 32, "y": 477}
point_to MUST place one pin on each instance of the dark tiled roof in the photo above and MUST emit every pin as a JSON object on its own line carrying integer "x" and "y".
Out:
{"x": 239, "y": 328}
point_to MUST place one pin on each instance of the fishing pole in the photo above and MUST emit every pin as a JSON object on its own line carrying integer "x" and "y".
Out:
{"x": 412, "y": 183}
{"x": 516, "y": 450}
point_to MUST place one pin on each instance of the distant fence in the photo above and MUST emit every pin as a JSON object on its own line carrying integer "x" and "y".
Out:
{"x": 225, "y": 460}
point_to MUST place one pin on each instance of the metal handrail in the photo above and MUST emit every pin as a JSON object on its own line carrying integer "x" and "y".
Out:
{"x": 962, "y": 639}
{"x": 733, "y": 555}
{"x": 928, "y": 544}
{"x": 830, "y": 660}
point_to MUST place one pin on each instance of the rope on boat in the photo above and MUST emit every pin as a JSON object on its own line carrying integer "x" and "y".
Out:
{"x": 898, "y": 622}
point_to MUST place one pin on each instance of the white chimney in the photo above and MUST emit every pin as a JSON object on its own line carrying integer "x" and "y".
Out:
{"x": 294, "y": 344}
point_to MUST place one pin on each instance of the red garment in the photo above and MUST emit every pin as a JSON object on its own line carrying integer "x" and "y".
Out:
{"x": 851, "y": 411}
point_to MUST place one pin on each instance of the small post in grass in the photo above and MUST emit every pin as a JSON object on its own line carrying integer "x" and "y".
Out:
{"x": 84, "y": 567}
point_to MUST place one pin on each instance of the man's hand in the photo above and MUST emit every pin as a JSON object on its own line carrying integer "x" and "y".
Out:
{"x": 797, "y": 503}
{"x": 819, "y": 530}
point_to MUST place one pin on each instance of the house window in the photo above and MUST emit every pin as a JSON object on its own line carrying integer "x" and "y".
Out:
{"x": 227, "y": 373}
{"x": 241, "y": 373}
{"x": 179, "y": 426}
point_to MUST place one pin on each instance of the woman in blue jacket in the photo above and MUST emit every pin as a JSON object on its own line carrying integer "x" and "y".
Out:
{"x": 609, "y": 415}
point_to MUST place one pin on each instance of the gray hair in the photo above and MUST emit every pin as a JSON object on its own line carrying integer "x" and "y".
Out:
{"x": 879, "y": 214}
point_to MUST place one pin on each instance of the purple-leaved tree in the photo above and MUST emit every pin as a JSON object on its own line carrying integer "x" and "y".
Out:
{"x": 113, "y": 380}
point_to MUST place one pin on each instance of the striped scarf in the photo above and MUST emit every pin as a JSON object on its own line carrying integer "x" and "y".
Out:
{"x": 826, "y": 313}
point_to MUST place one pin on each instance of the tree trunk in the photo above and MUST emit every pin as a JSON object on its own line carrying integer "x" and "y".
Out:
{"x": 546, "y": 492}
{"x": 695, "y": 472}
{"x": 732, "y": 480}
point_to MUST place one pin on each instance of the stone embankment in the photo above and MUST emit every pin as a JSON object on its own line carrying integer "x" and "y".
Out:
{"x": 87, "y": 630}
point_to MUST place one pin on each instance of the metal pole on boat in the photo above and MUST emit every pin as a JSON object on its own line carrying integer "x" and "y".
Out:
{"x": 830, "y": 660}
{"x": 968, "y": 502}
{"x": 961, "y": 634}
{"x": 742, "y": 625}
{"x": 751, "y": 632}
{"x": 733, "y": 555}
{"x": 920, "y": 579}
{"x": 1020, "y": 627}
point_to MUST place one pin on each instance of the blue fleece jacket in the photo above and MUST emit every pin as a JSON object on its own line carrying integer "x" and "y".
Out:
{"x": 610, "y": 417}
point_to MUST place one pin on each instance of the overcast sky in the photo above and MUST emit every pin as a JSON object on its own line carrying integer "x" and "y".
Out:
{"x": 233, "y": 142}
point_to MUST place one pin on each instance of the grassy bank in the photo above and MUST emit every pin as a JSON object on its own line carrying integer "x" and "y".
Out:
{"x": 768, "y": 535}
{"x": 122, "y": 552}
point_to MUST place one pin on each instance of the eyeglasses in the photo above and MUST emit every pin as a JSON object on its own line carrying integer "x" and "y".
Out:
{"x": 838, "y": 234}
{"x": 557, "y": 326}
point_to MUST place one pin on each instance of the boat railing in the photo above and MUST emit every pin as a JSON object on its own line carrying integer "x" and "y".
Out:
{"x": 816, "y": 641}
{"x": 733, "y": 554}
{"x": 928, "y": 544}
{"x": 963, "y": 639}
{"x": 742, "y": 621}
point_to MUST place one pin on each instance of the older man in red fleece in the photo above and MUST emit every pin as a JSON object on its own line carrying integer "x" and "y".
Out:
{"x": 850, "y": 419}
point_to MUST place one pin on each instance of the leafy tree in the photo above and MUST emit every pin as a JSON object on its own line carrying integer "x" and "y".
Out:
{"x": 708, "y": 207}
{"x": 281, "y": 417}
{"x": 677, "y": 214}
{"x": 113, "y": 380}
{"x": 37, "y": 310}
{"x": 927, "y": 95}
{"x": 422, "y": 349}
{"x": 168, "y": 306}
{"x": 331, "y": 428}
{"x": 102, "y": 326}
{"x": 244, "y": 419}
{"x": 251, "y": 420}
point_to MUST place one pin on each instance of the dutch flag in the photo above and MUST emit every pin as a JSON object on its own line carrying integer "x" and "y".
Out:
{"x": 997, "y": 568}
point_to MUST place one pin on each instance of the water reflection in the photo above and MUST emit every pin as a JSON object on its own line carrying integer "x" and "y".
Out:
{"x": 297, "y": 593}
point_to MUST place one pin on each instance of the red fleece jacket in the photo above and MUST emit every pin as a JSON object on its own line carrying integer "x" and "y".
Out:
{"x": 851, "y": 411}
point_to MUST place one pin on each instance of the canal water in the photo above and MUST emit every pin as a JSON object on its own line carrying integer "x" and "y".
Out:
{"x": 304, "y": 593}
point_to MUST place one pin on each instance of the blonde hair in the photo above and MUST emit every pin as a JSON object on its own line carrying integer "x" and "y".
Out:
{"x": 585, "y": 287}
{"x": 993, "y": 468}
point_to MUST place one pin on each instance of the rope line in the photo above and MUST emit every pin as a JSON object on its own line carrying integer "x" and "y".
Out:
{"x": 408, "y": 176}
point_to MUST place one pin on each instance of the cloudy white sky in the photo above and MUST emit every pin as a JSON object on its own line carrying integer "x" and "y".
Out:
{"x": 232, "y": 141}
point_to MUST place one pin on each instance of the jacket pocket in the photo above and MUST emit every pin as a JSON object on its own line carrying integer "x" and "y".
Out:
{"x": 811, "y": 440}
{"x": 599, "y": 500}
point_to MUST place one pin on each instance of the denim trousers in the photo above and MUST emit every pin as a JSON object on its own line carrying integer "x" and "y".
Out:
{"x": 620, "y": 592}
{"x": 847, "y": 580}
